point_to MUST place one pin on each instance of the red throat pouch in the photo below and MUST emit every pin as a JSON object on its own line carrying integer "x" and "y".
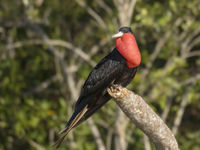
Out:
{"x": 127, "y": 47}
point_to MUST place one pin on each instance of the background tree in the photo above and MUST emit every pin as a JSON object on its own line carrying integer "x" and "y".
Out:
{"x": 48, "y": 47}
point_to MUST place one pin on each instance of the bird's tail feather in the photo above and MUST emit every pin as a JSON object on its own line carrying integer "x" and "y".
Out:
{"x": 72, "y": 124}
{"x": 60, "y": 140}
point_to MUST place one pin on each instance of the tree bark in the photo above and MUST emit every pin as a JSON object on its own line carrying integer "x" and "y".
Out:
{"x": 144, "y": 118}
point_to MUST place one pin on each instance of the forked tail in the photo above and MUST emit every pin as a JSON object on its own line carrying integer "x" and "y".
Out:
{"x": 70, "y": 126}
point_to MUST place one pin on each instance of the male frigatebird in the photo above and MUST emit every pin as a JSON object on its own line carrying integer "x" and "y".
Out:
{"x": 118, "y": 67}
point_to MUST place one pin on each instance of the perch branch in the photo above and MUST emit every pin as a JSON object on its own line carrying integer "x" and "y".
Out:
{"x": 144, "y": 118}
{"x": 96, "y": 135}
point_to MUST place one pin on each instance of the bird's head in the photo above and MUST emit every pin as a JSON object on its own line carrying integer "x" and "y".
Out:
{"x": 122, "y": 31}
{"x": 126, "y": 44}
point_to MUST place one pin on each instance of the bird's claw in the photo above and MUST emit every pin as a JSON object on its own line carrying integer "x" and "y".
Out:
{"x": 117, "y": 91}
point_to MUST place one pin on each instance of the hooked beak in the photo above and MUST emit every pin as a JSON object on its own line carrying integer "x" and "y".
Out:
{"x": 119, "y": 34}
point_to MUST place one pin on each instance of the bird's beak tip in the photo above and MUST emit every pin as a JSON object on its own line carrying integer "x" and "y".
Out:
{"x": 119, "y": 34}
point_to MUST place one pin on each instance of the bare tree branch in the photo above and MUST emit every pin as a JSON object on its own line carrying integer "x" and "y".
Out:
{"x": 68, "y": 75}
{"x": 120, "y": 127}
{"x": 147, "y": 144}
{"x": 96, "y": 47}
{"x": 42, "y": 86}
{"x": 167, "y": 108}
{"x": 35, "y": 145}
{"x": 144, "y": 118}
{"x": 190, "y": 42}
{"x": 191, "y": 80}
{"x": 54, "y": 42}
{"x": 154, "y": 55}
{"x": 98, "y": 18}
{"x": 109, "y": 138}
{"x": 180, "y": 112}
{"x": 77, "y": 50}
{"x": 105, "y": 6}
{"x": 131, "y": 8}
{"x": 125, "y": 11}
{"x": 96, "y": 134}
{"x": 192, "y": 54}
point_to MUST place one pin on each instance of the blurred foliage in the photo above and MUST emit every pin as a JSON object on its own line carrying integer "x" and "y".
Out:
{"x": 30, "y": 118}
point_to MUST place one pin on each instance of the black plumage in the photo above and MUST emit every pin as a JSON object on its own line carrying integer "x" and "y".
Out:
{"x": 110, "y": 70}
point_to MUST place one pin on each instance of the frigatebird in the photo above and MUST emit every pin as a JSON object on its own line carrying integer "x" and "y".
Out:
{"x": 118, "y": 67}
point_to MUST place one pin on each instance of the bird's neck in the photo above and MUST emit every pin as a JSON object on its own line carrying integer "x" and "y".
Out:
{"x": 127, "y": 47}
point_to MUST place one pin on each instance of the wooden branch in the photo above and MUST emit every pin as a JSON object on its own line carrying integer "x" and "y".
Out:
{"x": 158, "y": 48}
{"x": 43, "y": 85}
{"x": 55, "y": 42}
{"x": 120, "y": 131}
{"x": 144, "y": 118}
{"x": 147, "y": 144}
{"x": 93, "y": 13}
{"x": 194, "y": 53}
{"x": 96, "y": 135}
{"x": 125, "y": 11}
{"x": 35, "y": 145}
{"x": 103, "y": 5}
{"x": 181, "y": 110}
{"x": 191, "y": 80}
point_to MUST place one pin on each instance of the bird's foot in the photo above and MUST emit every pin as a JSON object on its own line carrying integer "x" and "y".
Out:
{"x": 117, "y": 91}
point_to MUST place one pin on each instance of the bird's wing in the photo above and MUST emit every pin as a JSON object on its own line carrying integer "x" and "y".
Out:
{"x": 100, "y": 102}
{"x": 105, "y": 72}
{"x": 109, "y": 68}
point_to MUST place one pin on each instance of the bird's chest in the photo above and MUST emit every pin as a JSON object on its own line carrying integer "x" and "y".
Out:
{"x": 125, "y": 76}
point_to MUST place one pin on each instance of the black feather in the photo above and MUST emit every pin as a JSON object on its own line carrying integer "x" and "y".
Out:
{"x": 111, "y": 69}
